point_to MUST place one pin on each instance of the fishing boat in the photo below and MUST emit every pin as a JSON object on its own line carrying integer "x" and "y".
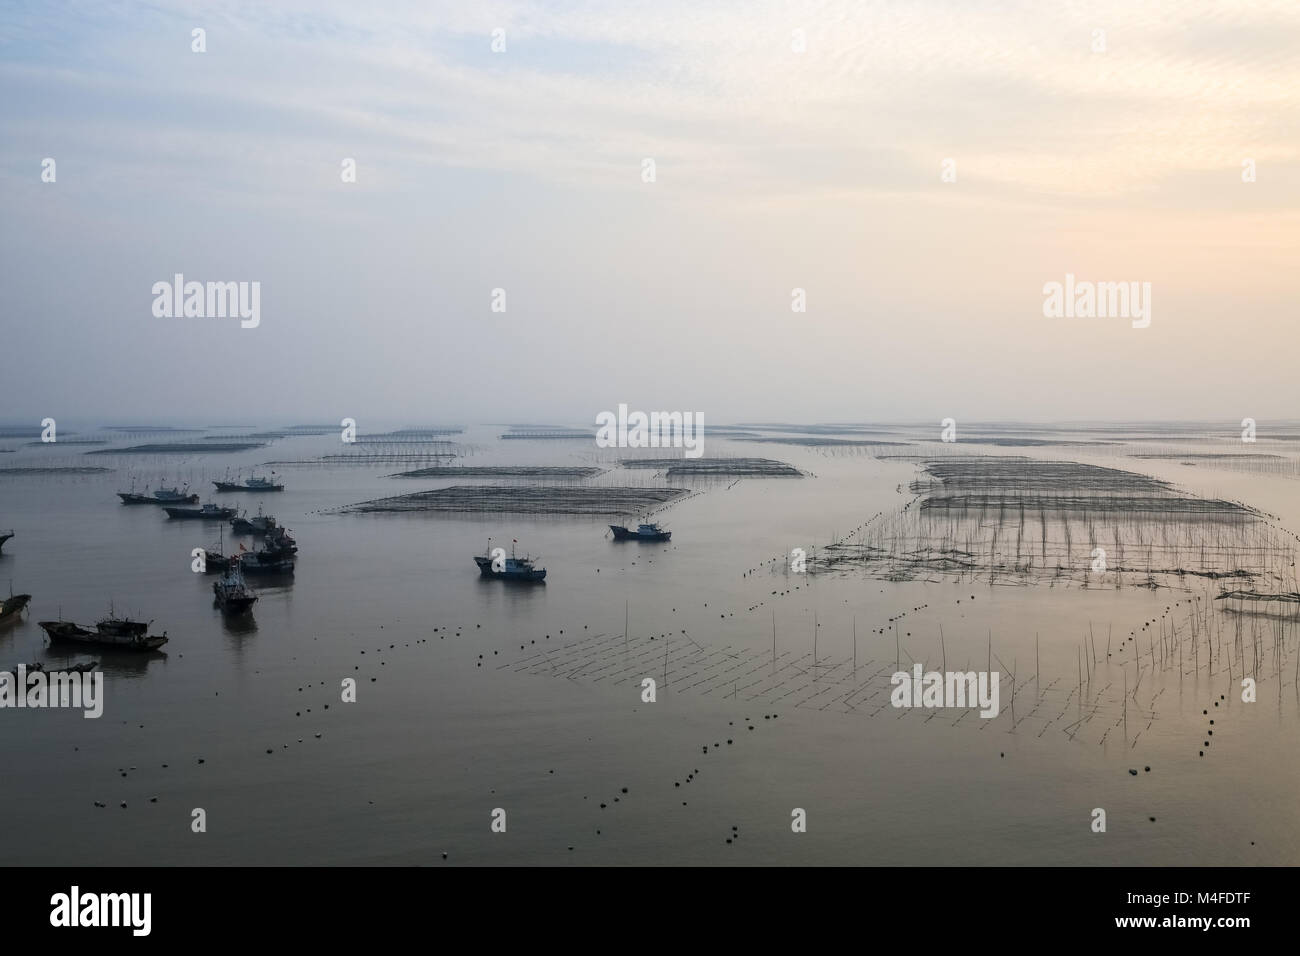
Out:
{"x": 67, "y": 632}
{"x": 643, "y": 532}
{"x": 259, "y": 524}
{"x": 279, "y": 539}
{"x": 250, "y": 484}
{"x": 13, "y": 607}
{"x": 509, "y": 569}
{"x": 266, "y": 561}
{"x": 214, "y": 559}
{"x": 209, "y": 512}
{"x": 163, "y": 496}
{"x": 5, "y": 536}
{"x": 233, "y": 595}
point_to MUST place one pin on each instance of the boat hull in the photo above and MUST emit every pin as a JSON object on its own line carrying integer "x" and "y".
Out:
{"x": 528, "y": 576}
{"x": 246, "y": 526}
{"x": 196, "y": 514}
{"x": 133, "y": 499}
{"x": 254, "y": 563}
{"x": 626, "y": 534}
{"x": 236, "y": 605}
{"x": 5, "y": 536}
{"x": 65, "y": 632}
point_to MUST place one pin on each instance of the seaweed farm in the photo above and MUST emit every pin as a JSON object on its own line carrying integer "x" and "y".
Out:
{"x": 824, "y": 441}
{"x": 718, "y": 467}
{"x": 55, "y": 470}
{"x": 1112, "y": 606}
{"x": 534, "y": 500}
{"x": 549, "y": 472}
{"x": 1015, "y": 520}
{"x": 180, "y": 448}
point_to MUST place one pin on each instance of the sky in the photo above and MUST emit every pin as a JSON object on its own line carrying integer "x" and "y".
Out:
{"x": 795, "y": 146}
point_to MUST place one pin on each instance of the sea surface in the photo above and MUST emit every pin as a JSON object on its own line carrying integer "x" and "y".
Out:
{"x": 474, "y": 696}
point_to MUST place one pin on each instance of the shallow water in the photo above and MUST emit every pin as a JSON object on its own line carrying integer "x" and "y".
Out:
{"x": 549, "y": 723}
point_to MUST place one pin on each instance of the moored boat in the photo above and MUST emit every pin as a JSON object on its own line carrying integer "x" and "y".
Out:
{"x": 250, "y": 484}
{"x": 259, "y": 524}
{"x": 233, "y": 595}
{"x": 266, "y": 562}
{"x": 279, "y": 539}
{"x": 209, "y": 512}
{"x": 163, "y": 496}
{"x": 67, "y": 632}
{"x": 643, "y": 532}
{"x": 509, "y": 569}
{"x": 13, "y": 607}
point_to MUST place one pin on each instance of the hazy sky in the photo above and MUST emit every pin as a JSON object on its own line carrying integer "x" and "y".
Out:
{"x": 774, "y": 170}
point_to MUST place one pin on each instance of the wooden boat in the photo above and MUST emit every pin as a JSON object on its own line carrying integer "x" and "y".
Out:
{"x": 13, "y": 607}
{"x": 643, "y": 532}
{"x": 214, "y": 559}
{"x": 67, "y": 632}
{"x": 208, "y": 512}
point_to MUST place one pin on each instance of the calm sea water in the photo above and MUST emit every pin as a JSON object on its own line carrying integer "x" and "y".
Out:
{"x": 474, "y": 696}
